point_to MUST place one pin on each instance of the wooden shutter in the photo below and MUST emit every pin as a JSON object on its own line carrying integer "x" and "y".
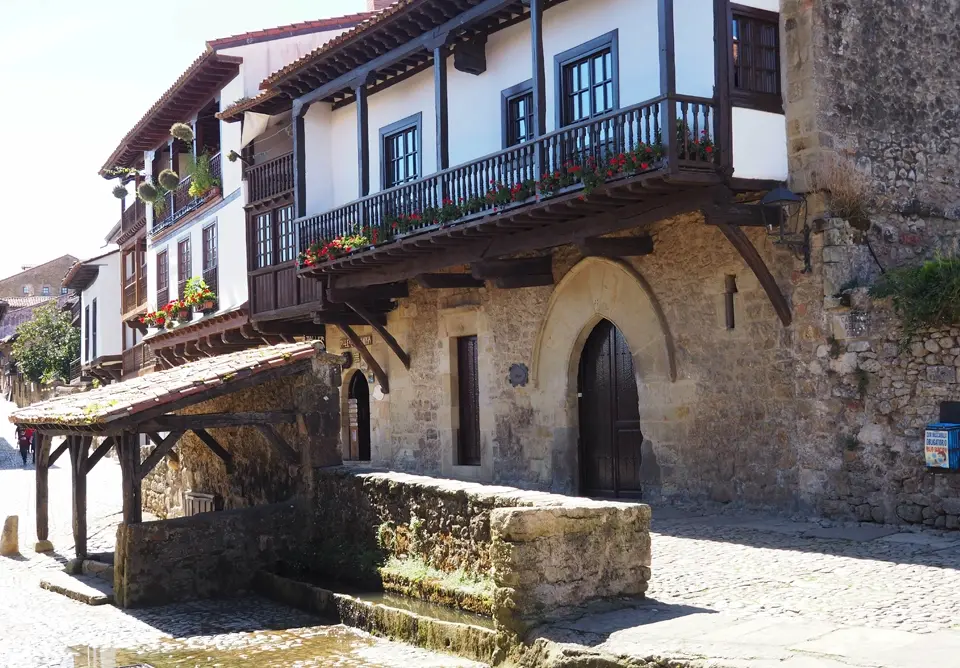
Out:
{"x": 469, "y": 383}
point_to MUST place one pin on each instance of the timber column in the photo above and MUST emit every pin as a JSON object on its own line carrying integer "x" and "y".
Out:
{"x": 43, "y": 494}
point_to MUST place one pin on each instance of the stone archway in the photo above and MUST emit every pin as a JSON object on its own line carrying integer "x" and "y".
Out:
{"x": 597, "y": 289}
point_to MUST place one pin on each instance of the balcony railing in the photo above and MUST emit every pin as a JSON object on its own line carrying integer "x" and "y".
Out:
{"x": 180, "y": 202}
{"x": 134, "y": 217}
{"x": 270, "y": 179}
{"x": 584, "y": 146}
{"x": 135, "y": 291}
{"x": 137, "y": 358}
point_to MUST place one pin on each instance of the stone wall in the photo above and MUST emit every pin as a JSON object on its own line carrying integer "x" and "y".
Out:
{"x": 203, "y": 556}
{"x": 49, "y": 274}
{"x": 545, "y": 553}
{"x": 260, "y": 474}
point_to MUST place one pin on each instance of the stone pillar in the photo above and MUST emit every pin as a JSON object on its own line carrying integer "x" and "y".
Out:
{"x": 10, "y": 538}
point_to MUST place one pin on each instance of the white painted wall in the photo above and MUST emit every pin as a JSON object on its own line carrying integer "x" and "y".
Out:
{"x": 106, "y": 290}
{"x": 230, "y": 138}
{"x": 769, "y": 5}
{"x": 324, "y": 173}
{"x": 694, "y": 43}
{"x": 759, "y": 145}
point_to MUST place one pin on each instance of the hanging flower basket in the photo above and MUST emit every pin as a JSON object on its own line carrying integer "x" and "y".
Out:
{"x": 182, "y": 131}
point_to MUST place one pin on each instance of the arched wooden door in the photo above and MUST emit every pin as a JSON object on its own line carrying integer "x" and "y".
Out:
{"x": 610, "y": 436}
{"x": 359, "y": 403}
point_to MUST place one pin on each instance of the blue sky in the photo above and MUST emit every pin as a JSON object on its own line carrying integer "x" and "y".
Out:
{"x": 74, "y": 77}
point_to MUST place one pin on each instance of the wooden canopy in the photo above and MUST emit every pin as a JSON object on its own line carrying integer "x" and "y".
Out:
{"x": 145, "y": 405}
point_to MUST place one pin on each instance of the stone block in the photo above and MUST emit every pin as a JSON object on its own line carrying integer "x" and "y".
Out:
{"x": 910, "y": 512}
{"x": 10, "y": 538}
{"x": 942, "y": 374}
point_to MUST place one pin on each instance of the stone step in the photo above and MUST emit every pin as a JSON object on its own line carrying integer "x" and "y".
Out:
{"x": 87, "y": 589}
{"x": 97, "y": 569}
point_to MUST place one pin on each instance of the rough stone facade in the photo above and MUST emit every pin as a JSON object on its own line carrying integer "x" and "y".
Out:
{"x": 31, "y": 282}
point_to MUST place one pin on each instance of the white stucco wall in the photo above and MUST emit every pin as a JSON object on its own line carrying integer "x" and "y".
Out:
{"x": 759, "y": 145}
{"x": 230, "y": 138}
{"x": 106, "y": 290}
{"x": 769, "y": 5}
{"x": 694, "y": 43}
{"x": 324, "y": 174}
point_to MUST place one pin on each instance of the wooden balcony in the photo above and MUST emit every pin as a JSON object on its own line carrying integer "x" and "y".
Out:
{"x": 137, "y": 360}
{"x": 180, "y": 203}
{"x": 133, "y": 219}
{"x": 135, "y": 291}
{"x": 432, "y": 215}
{"x": 269, "y": 180}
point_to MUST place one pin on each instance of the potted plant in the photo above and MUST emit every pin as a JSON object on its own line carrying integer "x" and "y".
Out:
{"x": 155, "y": 319}
{"x": 177, "y": 311}
{"x": 182, "y": 131}
{"x": 202, "y": 181}
{"x": 169, "y": 179}
{"x": 119, "y": 191}
{"x": 198, "y": 295}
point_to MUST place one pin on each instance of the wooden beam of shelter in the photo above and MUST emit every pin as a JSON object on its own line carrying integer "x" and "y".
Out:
{"x": 367, "y": 357}
{"x": 129, "y": 465}
{"x": 353, "y": 295}
{"x": 614, "y": 247}
{"x": 739, "y": 240}
{"x": 216, "y": 448}
{"x": 43, "y": 488}
{"x": 527, "y": 281}
{"x": 164, "y": 447}
{"x": 279, "y": 444}
{"x": 101, "y": 450}
{"x": 55, "y": 455}
{"x": 384, "y": 334}
{"x": 217, "y": 420}
{"x": 78, "y": 472}
{"x": 441, "y": 281}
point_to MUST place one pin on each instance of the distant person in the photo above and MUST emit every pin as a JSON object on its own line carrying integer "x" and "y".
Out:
{"x": 33, "y": 445}
{"x": 24, "y": 437}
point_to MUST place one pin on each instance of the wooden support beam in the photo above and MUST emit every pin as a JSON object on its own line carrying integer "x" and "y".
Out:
{"x": 539, "y": 79}
{"x": 159, "y": 452}
{"x": 490, "y": 269}
{"x": 55, "y": 455}
{"x": 742, "y": 215}
{"x": 616, "y": 246}
{"x": 129, "y": 465}
{"x": 353, "y": 295}
{"x": 345, "y": 319}
{"x": 440, "y": 103}
{"x": 738, "y": 239}
{"x": 215, "y": 420}
{"x": 215, "y": 448}
{"x": 668, "y": 82}
{"x": 99, "y": 453}
{"x": 384, "y": 334}
{"x": 79, "y": 446}
{"x": 528, "y": 281}
{"x": 43, "y": 488}
{"x": 363, "y": 137}
{"x": 441, "y": 281}
{"x": 367, "y": 357}
{"x": 279, "y": 444}
{"x": 299, "y": 160}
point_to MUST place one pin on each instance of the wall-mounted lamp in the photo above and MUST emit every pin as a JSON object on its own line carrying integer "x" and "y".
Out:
{"x": 796, "y": 237}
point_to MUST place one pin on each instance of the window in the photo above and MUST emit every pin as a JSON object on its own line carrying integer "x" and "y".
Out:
{"x": 468, "y": 435}
{"x": 26, "y": 289}
{"x": 184, "y": 265}
{"x": 93, "y": 330}
{"x": 587, "y": 80}
{"x": 163, "y": 279}
{"x": 755, "y": 58}
{"x": 286, "y": 237}
{"x": 401, "y": 152}
{"x": 517, "y": 114}
{"x": 210, "y": 256}
{"x": 63, "y": 291}
{"x": 45, "y": 291}
{"x": 264, "y": 230}
{"x": 86, "y": 333}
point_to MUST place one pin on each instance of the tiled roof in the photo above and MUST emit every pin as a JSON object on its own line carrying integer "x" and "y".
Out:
{"x": 305, "y": 27}
{"x": 81, "y": 273}
{"x": 120, "y": 400}
{"x": 24, "y": 302}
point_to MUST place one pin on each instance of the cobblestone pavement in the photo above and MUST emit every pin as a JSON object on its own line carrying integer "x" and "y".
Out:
{"x": 41, "y": 629}
{"x": 753, "y": 590}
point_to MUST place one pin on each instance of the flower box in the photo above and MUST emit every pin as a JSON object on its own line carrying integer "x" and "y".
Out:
{"x": 208, "y": 306}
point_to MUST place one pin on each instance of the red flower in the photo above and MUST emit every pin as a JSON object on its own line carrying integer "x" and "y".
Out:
{"x": 709, "y": 149}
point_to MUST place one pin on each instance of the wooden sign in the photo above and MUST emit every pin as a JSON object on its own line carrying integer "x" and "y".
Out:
{"x": 365, "y": 339}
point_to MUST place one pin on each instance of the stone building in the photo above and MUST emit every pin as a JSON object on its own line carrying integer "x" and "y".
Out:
{"x": 42, "y": 280}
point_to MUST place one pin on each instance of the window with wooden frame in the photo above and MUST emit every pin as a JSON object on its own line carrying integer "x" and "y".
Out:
{"x": 286, "y": 235}
{"x": 755, "y": 59}
{"x": 468, "y": 384}
{"x": 401, "y": 152}
{"x": 263, "y": 229}
{"x": 275, "y": 237}
{"x": 517, "y": 114}
{"x": 210, "y": 256}
{"x": 587, "y": 80}
{"x": 163, "y": 279}
{"x": 184, "y": 265}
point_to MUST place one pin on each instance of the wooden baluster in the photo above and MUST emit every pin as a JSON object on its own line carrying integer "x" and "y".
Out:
{"x": 696, "y": 126}
{"x": 684, "y": 128}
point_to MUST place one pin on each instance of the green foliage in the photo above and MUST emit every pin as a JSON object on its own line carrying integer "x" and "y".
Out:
{"x": 148, "y": 193}
{"x": 925, "y": 296}
{"x": 119, "y": 191}
{"x": 417, "y": 570}
{"x": 182, "y": 131}
{"x": 202, "y": 179}
{"x": 46, "y": 345}
{"x": 126, "y": 172}
{"x": 169, "y": 179}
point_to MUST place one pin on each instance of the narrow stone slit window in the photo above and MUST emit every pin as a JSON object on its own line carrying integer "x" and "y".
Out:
{"x": 730, "y": 289}
{"x": 468, "y": 383}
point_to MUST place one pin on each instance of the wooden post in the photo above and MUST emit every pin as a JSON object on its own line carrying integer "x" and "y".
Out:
{"x": 363, "y": 138}
{"x": 539, "y": 83}
{"x": 668, "y": 83}
{"x": 129, "y": 468}
{"x": 299, "y": 161}
{"x": 79, "y": 446}
{"x": 43, "y": 526}
{"x": 440, "y": 97}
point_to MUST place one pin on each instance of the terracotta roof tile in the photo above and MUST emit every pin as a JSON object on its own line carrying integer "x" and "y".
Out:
{"x": 24, "y": 302}
{"x": 103, "y": 405}
{"x": 304, "y": 27}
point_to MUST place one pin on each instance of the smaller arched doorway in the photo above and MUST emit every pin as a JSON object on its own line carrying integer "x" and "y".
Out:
{"x": 609, "y": 407}
{"x": 358, "y": 402}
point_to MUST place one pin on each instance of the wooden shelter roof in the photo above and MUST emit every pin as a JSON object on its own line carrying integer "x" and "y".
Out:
{"x": 193, "y": 89}
{"x": 84, "y": 272}
{"x": 136, "y": 400}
